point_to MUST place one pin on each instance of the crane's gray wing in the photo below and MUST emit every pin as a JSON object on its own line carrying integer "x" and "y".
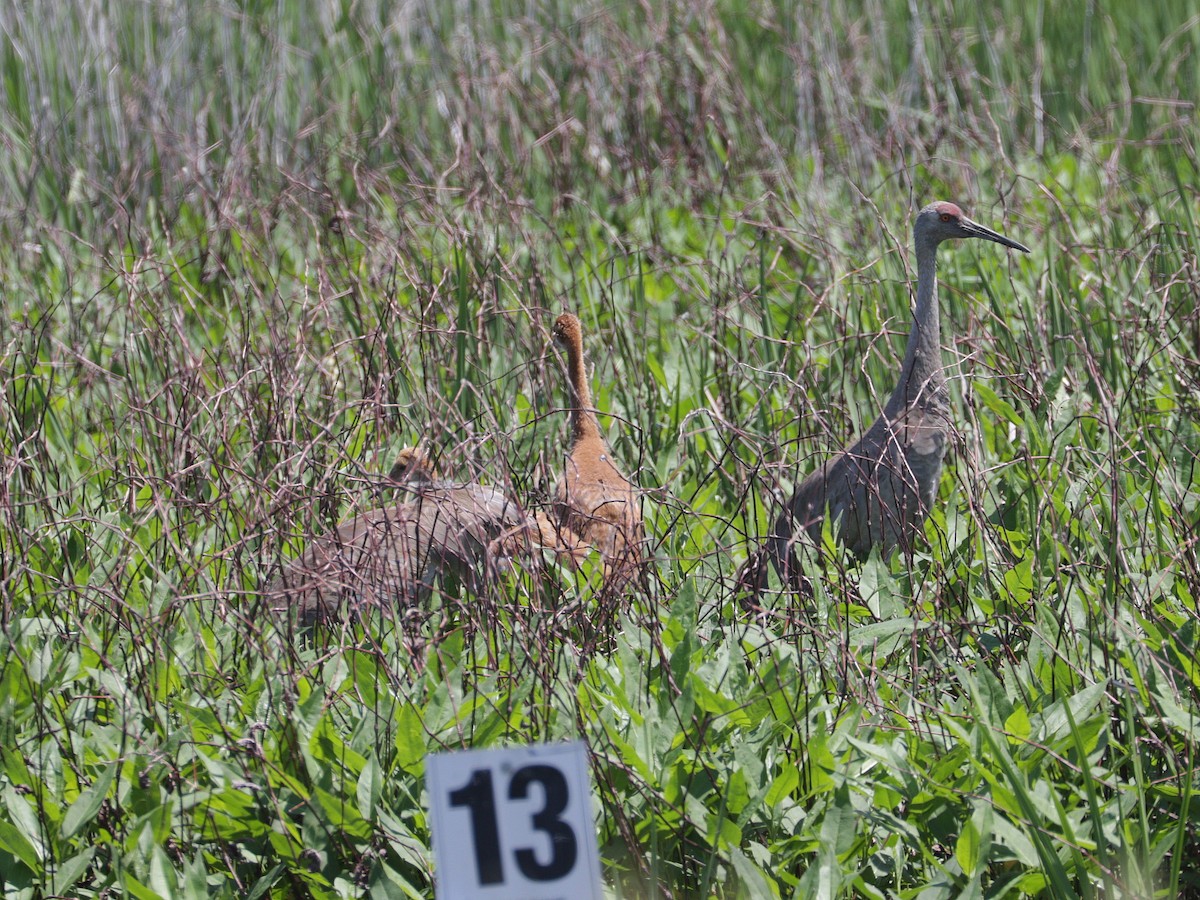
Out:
{"x": 878, "y": 492}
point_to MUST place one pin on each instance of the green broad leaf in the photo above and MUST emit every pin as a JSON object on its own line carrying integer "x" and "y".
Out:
{"x": 162, "y": 873}
{"x": 877, "y": 588}
{"x": 723, "y": 833}
{"x": 1057, "y": 725}
{"x": 25, "y": 819}
{"x": 1018, "y": 726}
{"x": 194, "y": 885}
{"x": 884, "y": 636}
{"x": 657, "y": 372}
{"x": 12, "y": 840}
{"x": 327, "y": 746}
{"x": 821, "y": 764}
{"x": 1018, "y": 580}
{"x": 388, "y": 884}
{"x": 894, "y": 762}
{"x": 410, "y": 739}
{"x": 1000, "y": 407}
{"x": 409, "y": 849}
{"x": 288, "y": 845}
{"x": 697, "y": 813}
{"x": 840, "y": 823}
{"x": 754, "y": 883}
{"x": 782, "y": 786}
{"x": 824, "y": 878}
{"x": 342, "y": 814}
{"x": 864, "y": 889}
{"x": 712, "y": 702}
{"x": 973, "y": 890}
{"x": 1183, "y": 720}
{"x": 370, "y": 786}
{"x": 989, "y": 694}
{"x": 736, "y": 794}
{"x": 14, "y": 764}
{"x": 263, "y": 886}
{"x": 974, "y": 841}
{"x": 1032, "y": 884}
{"x": 1015, "y": 841}
{"x": 84, "y": 809}
{"x": 135, "y": 888}
{"x": 684, "y": 607}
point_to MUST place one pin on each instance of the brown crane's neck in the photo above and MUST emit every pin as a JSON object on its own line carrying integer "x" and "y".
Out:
{"x": 583, "y": 418}
{"x": 922, "y": 378}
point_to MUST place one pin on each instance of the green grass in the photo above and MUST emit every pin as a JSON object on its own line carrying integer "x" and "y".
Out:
{"x": 246, "y": 254}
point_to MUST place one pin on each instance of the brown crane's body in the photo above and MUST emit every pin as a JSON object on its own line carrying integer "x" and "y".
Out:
{"x": 393, "y": 556}
{"x": 878, "y": 491}
{"x": 594, "y": 500}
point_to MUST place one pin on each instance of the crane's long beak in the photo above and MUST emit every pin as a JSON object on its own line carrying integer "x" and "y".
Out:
{"x": 974, "y": 229}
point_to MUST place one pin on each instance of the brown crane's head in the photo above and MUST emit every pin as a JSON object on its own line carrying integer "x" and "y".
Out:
{"x": 943, "y": 220}
{"x": 567, "y": 330}
{"x": 413, "y": 467}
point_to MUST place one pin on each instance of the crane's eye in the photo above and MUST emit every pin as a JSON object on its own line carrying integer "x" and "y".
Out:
{"x": 946, "y": 217}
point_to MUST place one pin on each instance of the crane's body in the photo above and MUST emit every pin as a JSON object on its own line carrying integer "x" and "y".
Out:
{"x": 393, "y": 556}
{"x": 878, "y": 491}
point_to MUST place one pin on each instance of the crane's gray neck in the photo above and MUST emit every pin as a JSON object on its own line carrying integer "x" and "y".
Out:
{"x": 922, "y": 379}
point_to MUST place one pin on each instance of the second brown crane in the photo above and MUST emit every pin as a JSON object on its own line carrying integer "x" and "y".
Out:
{"x": 594, "y": 499}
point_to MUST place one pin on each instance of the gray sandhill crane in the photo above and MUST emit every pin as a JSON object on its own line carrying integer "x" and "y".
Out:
{"x": 593, "y": 499}
{"x": 395, "y": 554}
{"x": 879, "y": 490}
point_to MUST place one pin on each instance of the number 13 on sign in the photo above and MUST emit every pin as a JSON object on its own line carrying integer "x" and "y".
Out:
{"x": 513, "y": 823}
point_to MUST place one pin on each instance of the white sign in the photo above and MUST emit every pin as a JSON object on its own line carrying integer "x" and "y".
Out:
{"x": 513, "y": 823}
